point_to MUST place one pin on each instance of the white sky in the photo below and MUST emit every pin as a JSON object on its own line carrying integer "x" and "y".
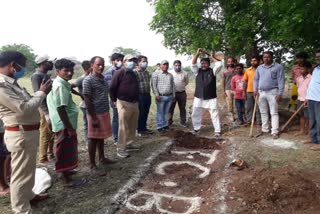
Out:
{"x": 82, "y": 28}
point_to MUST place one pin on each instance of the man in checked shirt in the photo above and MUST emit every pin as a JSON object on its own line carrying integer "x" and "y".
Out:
{"x": 164, "y": 91}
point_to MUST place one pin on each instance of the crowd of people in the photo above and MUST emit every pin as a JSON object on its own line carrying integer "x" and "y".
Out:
{"x": 50, "y": 116}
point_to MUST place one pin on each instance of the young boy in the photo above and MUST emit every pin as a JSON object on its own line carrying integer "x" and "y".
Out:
{"x": 238, "y": 87}
{"x": 63, "y": 114}
{"x": 302, "y": 82}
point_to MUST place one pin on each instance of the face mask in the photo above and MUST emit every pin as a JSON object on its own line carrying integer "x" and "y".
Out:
{"x": 119, "y": 64}
{"x": 177, "y": 68}
{"x": 144, "y": 65}
{"x": 131, "y": 65}
{"x": 20, "y": 73}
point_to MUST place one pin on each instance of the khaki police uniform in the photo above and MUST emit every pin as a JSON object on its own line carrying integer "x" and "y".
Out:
{"x": 20, "y": 115}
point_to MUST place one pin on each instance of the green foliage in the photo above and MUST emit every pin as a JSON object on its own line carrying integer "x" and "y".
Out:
{"x": 25, "y": 50}
{"x": 238, "y": 26}
{"x": 126, "y": 51}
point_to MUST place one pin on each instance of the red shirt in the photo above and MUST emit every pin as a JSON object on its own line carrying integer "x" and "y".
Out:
{"x": 237, "y": 85}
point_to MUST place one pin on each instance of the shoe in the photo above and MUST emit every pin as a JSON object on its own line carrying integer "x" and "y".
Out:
{"x": 196, "y": 132}
{"x": 39, "y": 197}
{"x": 166, "y": 128}
{"x": 132, "y": 148}
{"x": 261, "y": 133}
{"x": 217, "y": 134}
{"x": 123, "y": 154}
{"x": 148, "y": 131}
{"x": 107, "y": 161}
{"x": 95, "y": 171}
{"x": 161, "y": 130}
{"x": 275, "y": 136}
{"x": 184, "y": 125}
{"x": 115, "y": 142}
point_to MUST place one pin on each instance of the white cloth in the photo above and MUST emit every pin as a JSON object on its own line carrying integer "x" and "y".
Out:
{"x": 267, "y": 100}
{"x": 211, "y": 106}
{"x": 181, "y": 80}
{"x": 42, "y": 181}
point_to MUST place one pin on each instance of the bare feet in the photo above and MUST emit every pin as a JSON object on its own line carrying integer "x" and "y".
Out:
{"x": 4, "y": 191}
{"x": 299, "y": 133}
{"x": 315, "y": 147}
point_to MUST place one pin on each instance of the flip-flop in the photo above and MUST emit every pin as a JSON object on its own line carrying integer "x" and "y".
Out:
{"x": 5, "y": 192}
{"x": 76, "y": 183}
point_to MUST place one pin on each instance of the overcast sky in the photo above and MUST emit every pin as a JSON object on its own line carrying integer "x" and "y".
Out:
{"x": 82, "y": 28}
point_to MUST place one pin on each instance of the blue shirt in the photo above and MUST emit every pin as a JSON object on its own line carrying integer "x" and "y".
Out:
{"x": 108, "y": 77}
{"x": 313, "y": 92}
{"x": 269, "y": 77}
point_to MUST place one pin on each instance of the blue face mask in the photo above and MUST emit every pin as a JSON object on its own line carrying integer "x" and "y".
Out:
{"x": 20, "y": 73}
{"x": 131, "y": 65}
{"x": 177, "y": 68}
{"x": 144, "y": 65}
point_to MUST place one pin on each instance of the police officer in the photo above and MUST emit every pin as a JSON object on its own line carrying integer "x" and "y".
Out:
{"x": 19, "y": 112}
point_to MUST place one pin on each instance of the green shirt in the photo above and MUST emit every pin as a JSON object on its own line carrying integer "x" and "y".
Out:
{"x": 60, "y": 95}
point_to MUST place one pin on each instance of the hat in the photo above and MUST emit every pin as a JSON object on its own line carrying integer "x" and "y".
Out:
{"x": 43, "y": 58}
{"x": 164, "y": 62}
{"x": 129, "y": 56}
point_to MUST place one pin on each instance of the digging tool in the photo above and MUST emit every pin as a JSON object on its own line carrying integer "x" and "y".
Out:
{"x": 291, "y": 118}
{"x": 253, "y": 115}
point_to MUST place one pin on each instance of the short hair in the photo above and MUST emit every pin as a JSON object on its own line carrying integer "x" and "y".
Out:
{"x": 206, "y": 59}
{"x": 140, "y": 57}
{"x": 86, "y": 64}
{"x": 270, "y": 53}
{"x": 239, "y": 65}
{"x": 233, "y": 59}
{"x": 302, "y": 55}
{"x": 318, "y": 51}
{"x": 158, "y": 64}
{"x": 93, "y": 59}
{"x": 177, "y": 61}
{"x": 116, "y": 56}
{"x": 64, "y": 63}
{"x": 306, "y": 65}
{"x": 257, "y": 57}
{"x": 6, "y": 57}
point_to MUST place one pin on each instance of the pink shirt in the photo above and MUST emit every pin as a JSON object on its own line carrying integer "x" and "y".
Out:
{"x": 303, "y": 83}
{"x": 237, "y": 85}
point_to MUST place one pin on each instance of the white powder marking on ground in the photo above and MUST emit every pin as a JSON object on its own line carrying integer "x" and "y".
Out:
{"x": 169, "y": 184}
{"x": 279, "y": 143}
{"x": 160, "y": 168}
{"x": 190, "y": 157}
{"x": 212, "y": 157}
{"x": 156, "y": 199}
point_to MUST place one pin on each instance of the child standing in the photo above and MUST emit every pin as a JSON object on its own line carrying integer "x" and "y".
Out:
{"x": 238, "y": 87}
{"x": 302, "y": 82}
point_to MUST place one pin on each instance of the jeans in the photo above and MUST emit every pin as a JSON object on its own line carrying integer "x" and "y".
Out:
{"x": 250, "y": 107}
{"x": 314, "y": 118}
{"x": 163, "y": 107}
{"x": 115, "y": 123}
{"x": 144, "y": 107}
{"x": 181, "y": 99}
{"x": 267, "y": 100}
{"x": 85, "y": 125}
{"x": 240, "y": 104}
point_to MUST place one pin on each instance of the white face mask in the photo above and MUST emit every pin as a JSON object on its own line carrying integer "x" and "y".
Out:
{"x": 144, "y": 65}
{"x": 119, "y": 64}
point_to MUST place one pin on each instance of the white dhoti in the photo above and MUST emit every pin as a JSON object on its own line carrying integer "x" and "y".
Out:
{"x": 212, "y": 107}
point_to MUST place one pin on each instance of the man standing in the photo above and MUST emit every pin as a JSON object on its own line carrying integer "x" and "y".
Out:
{"x": 144, "y": 94}
{"x": 46, "y": 136}
{"x": 19, "y": 113}
{"x": 124, "y": 92}
{"x": 269, "y": 86}
{"x": 181, "y": 80}
{"x": 116, "y": 60}
{"x": 249, "y": 78}
{"x": 95, "y": 91}
{"x": 86, "y": 65}
{"x": 205, "y": 96}
{"x": 164, "y": 91}
{"x": 226, "y": 85}
{"x": 63, "y": 114}
{"x": 313, "y": 101}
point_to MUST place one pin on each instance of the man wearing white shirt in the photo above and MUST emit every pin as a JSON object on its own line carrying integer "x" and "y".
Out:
{"x": 181, "y": 80}
{"x": 205, "y": 96}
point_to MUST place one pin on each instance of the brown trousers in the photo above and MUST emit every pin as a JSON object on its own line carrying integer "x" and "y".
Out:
{"x": 46, "y": 139}
{"x": 128, "y": 122}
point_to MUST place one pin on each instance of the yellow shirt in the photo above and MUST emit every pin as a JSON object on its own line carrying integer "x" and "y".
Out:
{"x": 17, "y": 106}
{"x": 249, "y": 78}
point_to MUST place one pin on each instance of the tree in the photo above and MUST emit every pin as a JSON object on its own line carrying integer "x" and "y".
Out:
{"x": 126, "y": 51}
{"x": 25, "y": 50}
{"x": 238, "y": 26}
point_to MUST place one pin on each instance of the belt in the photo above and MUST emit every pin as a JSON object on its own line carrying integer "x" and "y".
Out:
{"x": 24, "y": 127}
{"x": 179, "y": 92}
{"x": 165, "y": 94}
